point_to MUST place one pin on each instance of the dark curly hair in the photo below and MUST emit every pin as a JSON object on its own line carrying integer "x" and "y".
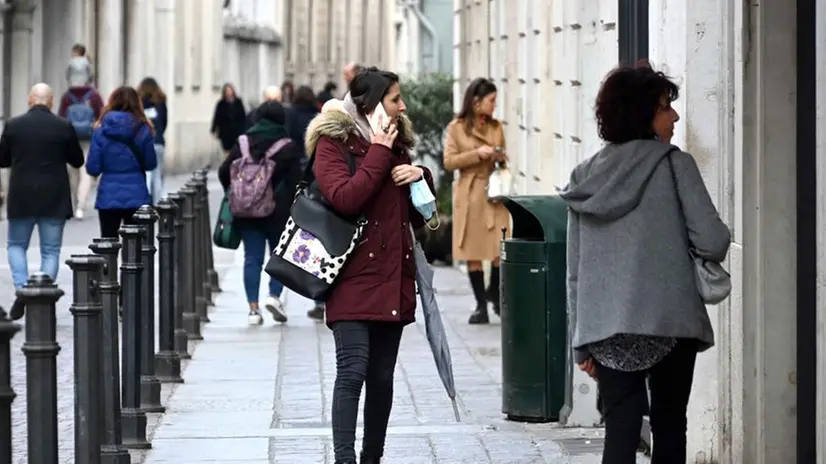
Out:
{"x": 629, "y": 99}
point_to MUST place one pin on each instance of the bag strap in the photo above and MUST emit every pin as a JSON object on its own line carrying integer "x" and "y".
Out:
{"x": 130, "y": 143}
{"x": 72, "y": 98}
{"x": 308, "y": 176}
{"x": 87, "y": 96}
{"x": 277, "y": 146}
{"x": 244, "y": 146}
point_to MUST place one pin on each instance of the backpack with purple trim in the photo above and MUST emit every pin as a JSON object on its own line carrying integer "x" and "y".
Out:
{"x": 252, "y": 194}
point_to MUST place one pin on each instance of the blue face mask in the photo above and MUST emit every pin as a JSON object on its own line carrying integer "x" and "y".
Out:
{"x": 424, "y": 202}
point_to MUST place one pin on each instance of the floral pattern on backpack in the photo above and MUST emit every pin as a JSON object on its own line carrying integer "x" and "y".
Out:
{"x": 252, "y": 192}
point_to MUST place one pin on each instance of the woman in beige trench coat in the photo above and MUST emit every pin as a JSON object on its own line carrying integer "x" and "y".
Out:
{"x": 473, "y": 144}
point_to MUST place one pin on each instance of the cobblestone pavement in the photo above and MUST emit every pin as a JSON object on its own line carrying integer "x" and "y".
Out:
{"x": 77, "y": 236}
{"x": 262, "y": 394}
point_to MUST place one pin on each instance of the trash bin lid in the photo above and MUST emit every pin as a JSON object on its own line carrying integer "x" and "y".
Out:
{"x": 538, "y": 217}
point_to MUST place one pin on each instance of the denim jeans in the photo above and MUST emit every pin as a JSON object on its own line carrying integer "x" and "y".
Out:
{"x": 365, "y": 355}
{"x": 50, "y": 231}
{"x": 257, "y": 242}
{"x": 155, "y": 177}
{"x": 625, "y": 401}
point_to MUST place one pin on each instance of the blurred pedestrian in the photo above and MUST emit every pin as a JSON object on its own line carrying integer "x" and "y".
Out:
{"x": 154, "y": 107}
{"x": 81, "y": 105}
{"x": 228, "y": 119}
{"x": 37, "y": 146}
{"x": 262, "y": 143}
{"x": 122, "y": 152}
{"x": 374, "y": 296}
{"x": 638, "y": 210}
{"x": 287, "y": 94}
{"x": 304, "y": 110}
{"x": 475, "y": 141}
{"x": 79, "y": 70}
{"x": 329, "y": 92}
{"x": 271, "y": 93}
{"x": 350, "y": 71}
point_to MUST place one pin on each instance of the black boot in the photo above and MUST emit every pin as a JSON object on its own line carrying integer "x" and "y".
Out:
{"x": 493, "y": 289}
{"x": 364, "y": 459}
{"x": 477, "y": 283}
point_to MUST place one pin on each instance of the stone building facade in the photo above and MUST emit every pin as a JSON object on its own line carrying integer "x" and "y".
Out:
{"x": 752, "y": 117}
{"x": 177, "y": 42}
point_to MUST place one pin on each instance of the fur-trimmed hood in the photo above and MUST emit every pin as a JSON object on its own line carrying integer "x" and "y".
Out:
{"x": 335, "y": 122}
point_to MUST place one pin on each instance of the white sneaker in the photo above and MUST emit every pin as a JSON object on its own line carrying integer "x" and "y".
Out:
{"x": 255, "y": 318}
{"x": 79, "y": 214}
{"x": 276, "y": 308}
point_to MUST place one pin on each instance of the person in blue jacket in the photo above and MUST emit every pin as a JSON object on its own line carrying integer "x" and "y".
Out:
{"x": 154, "y": 107}
{"x": 121, "y": 152}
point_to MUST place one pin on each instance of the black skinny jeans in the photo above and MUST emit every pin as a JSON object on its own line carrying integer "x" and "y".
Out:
{"x": 366, "y": 354}
{"x": 625, "y": 401}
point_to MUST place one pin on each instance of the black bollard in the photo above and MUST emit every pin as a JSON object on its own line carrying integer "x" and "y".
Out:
{"x": 133, "y": 417}
{"x": 191, "y": 320}
{"x": 206, "y": 238}
{"x": 181, "y": 339}
{"x": 150, "y": 385}
{"x": 88, "y": 332}
{"x": 40, "y": 294}
{"x": 201, "y": 300}
{"x": 7, "y": 395}
{"x": 112, "y": 449}
{"x": 212, "y": 274}
{"x": 167, "y": 362}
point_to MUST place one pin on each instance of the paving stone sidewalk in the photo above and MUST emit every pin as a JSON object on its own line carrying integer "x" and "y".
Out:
{"x": 262, "y": 394}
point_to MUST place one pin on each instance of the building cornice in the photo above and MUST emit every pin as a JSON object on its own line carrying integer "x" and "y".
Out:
{"x": 240, "y": 28}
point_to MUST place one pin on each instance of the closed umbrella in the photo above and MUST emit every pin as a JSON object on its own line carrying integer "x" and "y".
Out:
{"x": 434, "y": 327}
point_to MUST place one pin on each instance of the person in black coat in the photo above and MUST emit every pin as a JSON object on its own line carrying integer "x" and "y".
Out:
{"x": 229, "y": 118}
{"x": 261, "y": 234}
{"x": 37, "y": 146}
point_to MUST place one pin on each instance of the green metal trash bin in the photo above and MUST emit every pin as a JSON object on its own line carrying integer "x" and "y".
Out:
{"x": 533, "y": 309}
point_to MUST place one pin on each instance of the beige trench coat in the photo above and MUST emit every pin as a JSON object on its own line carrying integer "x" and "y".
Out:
{"x": 477, "y": 223}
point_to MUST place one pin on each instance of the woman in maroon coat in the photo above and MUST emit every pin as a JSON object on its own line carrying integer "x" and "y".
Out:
{"x": 375, "y": 295}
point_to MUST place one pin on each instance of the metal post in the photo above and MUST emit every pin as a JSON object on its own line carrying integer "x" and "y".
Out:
{"x": 167, "y": 362}
{"x": 112, "y": 449}
{"x": 199, "y": 274}
{"x": 86, "y": 309}
{"x": 40, "y": 294}
{"x": 181, "y": 339}
{"x": 7, "y": 395}
{"x": 212, "y": 274}
{"x": 191, "y": 320}
{"x": 150, "y": 385}
{"x": 134, "y": 419}
{"x": 205, "y": 236}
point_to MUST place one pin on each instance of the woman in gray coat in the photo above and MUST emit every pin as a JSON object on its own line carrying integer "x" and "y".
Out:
{"x": 635, "y": 210}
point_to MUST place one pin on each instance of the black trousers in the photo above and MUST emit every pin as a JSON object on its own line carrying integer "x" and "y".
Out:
{"x": 625, "y": 401}
{"x": 366, "y": 355}
{"x": 111, "y": 220}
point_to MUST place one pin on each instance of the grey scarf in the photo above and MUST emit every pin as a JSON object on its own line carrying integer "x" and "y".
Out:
{"x": 361, "y": 122}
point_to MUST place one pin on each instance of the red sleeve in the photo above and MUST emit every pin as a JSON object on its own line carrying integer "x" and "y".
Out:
{"x": 97, "y": 104}
{"x": 64, "y": 105}
{"x": 416, "y": 219}
{"x": 349, "y": 194}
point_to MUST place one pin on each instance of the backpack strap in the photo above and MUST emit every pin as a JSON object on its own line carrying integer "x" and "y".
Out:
{"x": 244, "y": 146}
{"x": 277, "y": 146}
{"x": 72, "y": 98}
{"x": 88, "y": 95}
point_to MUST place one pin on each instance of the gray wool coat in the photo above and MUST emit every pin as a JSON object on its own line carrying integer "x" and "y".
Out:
{"x": 628, "y": 264}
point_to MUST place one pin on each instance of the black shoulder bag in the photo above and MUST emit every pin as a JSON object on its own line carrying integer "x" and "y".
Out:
{"x": 130, "y": 143}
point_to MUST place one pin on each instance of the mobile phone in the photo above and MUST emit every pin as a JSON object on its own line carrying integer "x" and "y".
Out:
{"x": 373, "y": 118}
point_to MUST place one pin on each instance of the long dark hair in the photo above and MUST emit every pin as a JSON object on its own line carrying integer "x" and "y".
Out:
{"x": 478, "y": 89}
{"x": 305, "y": 98}
{"x": 126, "y": 99}
{"x": 150, "y": 90}
{"x": 369, "y": 87}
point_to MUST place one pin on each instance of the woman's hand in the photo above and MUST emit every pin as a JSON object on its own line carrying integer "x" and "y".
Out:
{"x": 485, "y": 152}
{"x": 589, "y": 368}
{"x": 404, "y": 174}
{"x": 386, "y": 135}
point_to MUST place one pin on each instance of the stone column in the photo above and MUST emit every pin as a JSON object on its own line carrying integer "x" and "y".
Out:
{"x": 22, "y": 73}
{"x": 111, "y": 57}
